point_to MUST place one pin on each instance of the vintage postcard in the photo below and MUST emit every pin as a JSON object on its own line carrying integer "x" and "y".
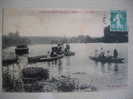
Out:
{"x": 64, "y": 50}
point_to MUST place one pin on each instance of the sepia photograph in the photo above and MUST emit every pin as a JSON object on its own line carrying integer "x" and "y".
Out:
{"x": 64, "y": 50}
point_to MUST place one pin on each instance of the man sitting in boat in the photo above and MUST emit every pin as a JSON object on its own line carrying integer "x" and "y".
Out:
{"x": 59, "y": 50}
{"x": 108, "y": 54}
{"x": 68, "y": 46}
{"x": 53, "y": 52}
{"x": 102, "y": 53}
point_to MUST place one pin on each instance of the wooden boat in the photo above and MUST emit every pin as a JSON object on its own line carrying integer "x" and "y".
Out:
{"x": 44, "y": 59}
{"x": 38, "y": 57}
{"x": 107, "y": 59}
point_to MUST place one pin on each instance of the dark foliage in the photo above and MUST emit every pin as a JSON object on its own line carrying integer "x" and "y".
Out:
{"x": 13, "y": 39}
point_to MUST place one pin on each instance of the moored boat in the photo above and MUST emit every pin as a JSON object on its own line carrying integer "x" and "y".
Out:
{"x": 107, "y": 59}
{"x": 44, "y": 59}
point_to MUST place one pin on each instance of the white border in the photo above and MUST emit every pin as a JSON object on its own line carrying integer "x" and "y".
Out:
{"x": 79, "y": 4}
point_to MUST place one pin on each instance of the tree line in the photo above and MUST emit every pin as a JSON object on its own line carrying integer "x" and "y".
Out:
{"x": 13, "y": 39}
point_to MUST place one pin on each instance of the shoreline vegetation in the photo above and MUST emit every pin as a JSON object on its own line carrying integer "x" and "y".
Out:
{"x": 14, "y": 39}
{"x": 56, "y": 84}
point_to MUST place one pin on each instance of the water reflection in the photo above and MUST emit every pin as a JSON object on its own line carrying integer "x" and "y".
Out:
{"x": 60, "y": 67}
{"x": 55, "y": 68}
{"x": 68, "y": 61}
{"x": 116, "y": 69}
{"x": 96, "y": 63}
{"x": 103, "y": 67}
{"x": 68, "y": 65}
{"x": 107, "y": 67}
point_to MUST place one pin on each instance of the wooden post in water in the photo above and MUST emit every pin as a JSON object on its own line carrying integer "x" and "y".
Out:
{"x": 22, "y": 55}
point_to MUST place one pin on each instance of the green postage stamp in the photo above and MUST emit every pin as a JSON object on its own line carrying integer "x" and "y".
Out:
{"x": 118, "y": 20}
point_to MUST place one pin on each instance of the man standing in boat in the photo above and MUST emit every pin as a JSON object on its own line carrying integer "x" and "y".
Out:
{"x": 60, "y": 48}
{"x": 115, "y": 53}
{"x": 67, "y": 49}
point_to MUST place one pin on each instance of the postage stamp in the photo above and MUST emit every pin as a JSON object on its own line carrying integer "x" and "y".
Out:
{"x": 118, "y": 20}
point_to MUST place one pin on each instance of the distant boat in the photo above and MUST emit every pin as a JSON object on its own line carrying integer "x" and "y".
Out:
{"x": 6, "y": 62}
{"x": 107, "y": 59}
{"x": 69, "y": 53}
{"x": 21, "y": 49}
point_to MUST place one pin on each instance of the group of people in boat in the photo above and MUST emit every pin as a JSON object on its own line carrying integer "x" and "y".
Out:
{"x": 59, "y": 50}
{"x": 106, "y": 54}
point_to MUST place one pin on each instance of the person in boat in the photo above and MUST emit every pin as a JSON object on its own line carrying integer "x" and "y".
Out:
{"x": 59, "y": 49}
{"x": 115, "y": 53}
{"x": 108, "y": 54}
{"x": 67, "y": 49}
{"x": 53, "y": 52}
{"x": 102, "y": 53}
{"x": 96, "y": 53}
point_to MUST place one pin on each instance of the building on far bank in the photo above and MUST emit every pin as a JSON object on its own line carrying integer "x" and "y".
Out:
{"x": 115, "y": 36}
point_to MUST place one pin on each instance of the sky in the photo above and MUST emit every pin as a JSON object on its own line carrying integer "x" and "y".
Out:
{"x": 54, "y": 22}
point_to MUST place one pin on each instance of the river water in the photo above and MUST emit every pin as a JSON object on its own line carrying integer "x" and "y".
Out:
{"x": 103, "y": 76}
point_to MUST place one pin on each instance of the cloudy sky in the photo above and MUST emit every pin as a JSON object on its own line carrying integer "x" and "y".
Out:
{"x": 54, "y": 22}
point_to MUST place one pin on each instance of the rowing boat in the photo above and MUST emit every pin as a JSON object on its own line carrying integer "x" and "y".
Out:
{"x": 107, "y": 59}
{"x": 35, "y": 59}
{"x": 44, "y": 59}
